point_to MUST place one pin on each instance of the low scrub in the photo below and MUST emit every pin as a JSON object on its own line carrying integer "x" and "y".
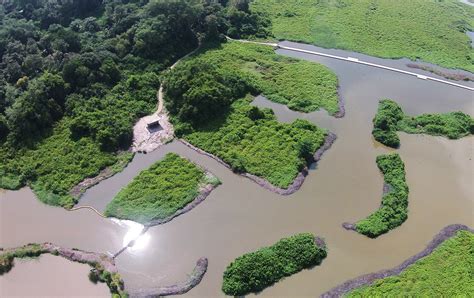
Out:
{"x": 432, "y": 31}
{"x": 255, "y": 271}
{"x": 446, "y": 272}
{"x": 390, "y": 119}
{"x": 394, "y": 209}
{"x": 159, "y": 191}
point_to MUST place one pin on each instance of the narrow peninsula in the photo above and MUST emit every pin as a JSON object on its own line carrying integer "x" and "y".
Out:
{"x": 394, "y": 208}
{"x": 390, "y": 119}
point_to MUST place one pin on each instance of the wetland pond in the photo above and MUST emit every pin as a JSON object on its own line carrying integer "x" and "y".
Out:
{"x": 239, "y": 216}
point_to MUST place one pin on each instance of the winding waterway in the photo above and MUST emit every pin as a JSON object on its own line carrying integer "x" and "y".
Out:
{"x": 239, "y": 216}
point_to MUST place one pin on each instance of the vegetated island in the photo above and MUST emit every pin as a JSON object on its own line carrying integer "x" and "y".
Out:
{"x": 255, "y": 271}
{"x": 394, "y": 207}
{"x": 443, "y": 269}
{"x": 390, "y": 119}
{"x": 431, "y": 31}
{"x": 209, "y": 104}
{"x": 169, "y": 188}
{"x": 103, "y": 269}
{"x": 75, "y": 76}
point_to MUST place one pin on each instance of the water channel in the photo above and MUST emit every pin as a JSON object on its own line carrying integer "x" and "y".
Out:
{"x": 239, "y": 216}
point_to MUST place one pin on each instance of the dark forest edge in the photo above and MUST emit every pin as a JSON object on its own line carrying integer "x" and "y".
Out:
{"x": 255, "y": 271}
{"x": 390, "y": 118}
{"x": 75, "y": 76}
{"x": 393, "y": 210}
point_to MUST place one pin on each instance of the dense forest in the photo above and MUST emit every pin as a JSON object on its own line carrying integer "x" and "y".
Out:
{"x": 75, "y": 75}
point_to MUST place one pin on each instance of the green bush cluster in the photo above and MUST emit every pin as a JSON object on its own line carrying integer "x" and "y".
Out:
{"x": 159, "y": 191}
{"x": 55, "y": 165}
{"x": 394, "y": 208}
{"x": 255, "y": 271}
{"x": 390, "y": 119}
{"x": 27, "y": 251}
{"x": 113, "y": 279}
{"x": 446, "y": 272}
{"x": 253, "y": 141}
{"x": 228, "y": 70}
{"x": 430, "y": 30}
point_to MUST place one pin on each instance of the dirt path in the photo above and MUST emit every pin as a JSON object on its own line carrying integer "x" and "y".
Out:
{"x": 146, "y": 140}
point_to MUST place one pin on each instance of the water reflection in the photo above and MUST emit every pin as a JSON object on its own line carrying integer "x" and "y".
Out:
{"x": 136, "y": 238}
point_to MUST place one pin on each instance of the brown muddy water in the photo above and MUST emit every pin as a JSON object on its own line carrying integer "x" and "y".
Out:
{"x": 239, "y": 216}
{"x": 49, "y": 276}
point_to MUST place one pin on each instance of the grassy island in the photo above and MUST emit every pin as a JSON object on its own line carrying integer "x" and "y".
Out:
{"x": 252, "y": 141}
{"x": 255, "y": 271}
{"x": 446, "y": 272}
{"x": 158, "y": 192}
{"x": 433, "y": 31}
{"x": 390, "y": 119}
{"x": 394, "y": 208}
{"x": 301, "y": 85}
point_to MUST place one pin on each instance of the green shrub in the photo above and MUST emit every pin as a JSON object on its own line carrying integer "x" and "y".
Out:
{"x": 390, "y": 119}
{"x": 394, "y": 209}
{"x": 27, "y": 251}
{"x": 255, "y": 271}
{"x": 446, "y": 272}
{"x": 159, "y": 191}
{"x": 264, "y": 147}
{"x": 229, "y": 71}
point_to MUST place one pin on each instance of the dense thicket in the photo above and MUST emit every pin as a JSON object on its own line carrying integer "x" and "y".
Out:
{"x": 159, "y": 191}
{"x": 252, "y": 140}
{"x": 75, "y": 75}
{"x": 394, "y": 208}
{"x": 430, "y": 30}
{"x": 390, "y": 119}
{"x": 446, "y": 272}
{"x": 255, "y": 271}
{"x": 219, "y": 74}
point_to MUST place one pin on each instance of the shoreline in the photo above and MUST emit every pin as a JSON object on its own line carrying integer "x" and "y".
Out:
{"x": 455, "y": 76}
{"x": 177, "y": 289}
{"x": 103, "y": 264}
{"x": 353, "y": 226}
{"x": 297, "y": 182}
{"x": 79, "y": 189}
{"x": 367, "y": 279}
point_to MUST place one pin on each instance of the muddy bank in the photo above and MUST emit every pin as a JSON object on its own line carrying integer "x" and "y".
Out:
{"x": 353, "y": 226}
{"x": 297, "y": 182}
{"x": 106, "y": 173}
{"x": 368, "y": 279}
{"x": 103, "y": 266}
{"x": 194, "y": 279}
{"x": 455, "y": 76}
